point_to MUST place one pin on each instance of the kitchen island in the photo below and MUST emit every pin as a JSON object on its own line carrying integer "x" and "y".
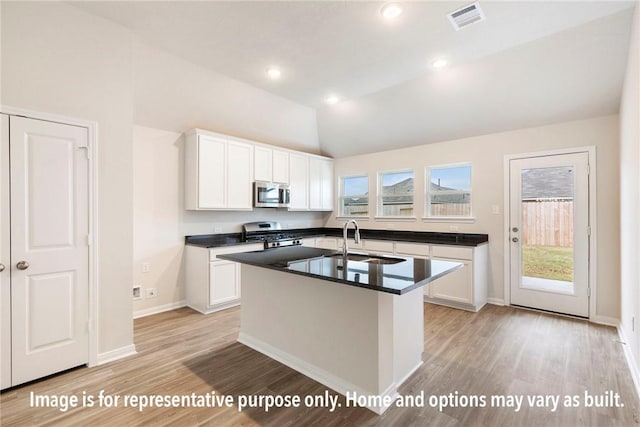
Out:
{"x": 353, "y": 324}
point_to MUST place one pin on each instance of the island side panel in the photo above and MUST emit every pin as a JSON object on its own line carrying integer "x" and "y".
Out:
{"x": 408, "y": 334}
{"x": 328, "y": 331}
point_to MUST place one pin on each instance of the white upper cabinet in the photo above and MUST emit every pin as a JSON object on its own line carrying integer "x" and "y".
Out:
{"x": 262, "y": 164}
{"x": 239, "y": 182}
{"x": 270, "y": 165}
{"x": 311, "y": 183}
{"x": 280, "y": 166}
{"x": 218, "y": 173}
{"x": 299, "y": 181}
{"x": 320, "y": 184}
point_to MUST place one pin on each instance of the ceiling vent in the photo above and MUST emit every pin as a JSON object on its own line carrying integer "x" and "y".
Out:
{"x": 465, "y": 16}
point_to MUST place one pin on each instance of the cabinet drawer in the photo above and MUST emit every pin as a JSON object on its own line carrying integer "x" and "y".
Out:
{"x": 412, "y": 249}
{"x": 234, "y": 250}
{"x": 378, "y": 246}
{"x": 327, "y": 243}
{"x": 455, "y": 252}
{"x": 351, "y": 243}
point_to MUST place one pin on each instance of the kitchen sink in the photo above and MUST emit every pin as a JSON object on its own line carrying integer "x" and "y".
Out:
{"x": 371, "y": 259}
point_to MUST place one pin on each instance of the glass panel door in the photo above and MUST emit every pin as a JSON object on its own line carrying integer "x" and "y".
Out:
{"x": 548, "y": 232}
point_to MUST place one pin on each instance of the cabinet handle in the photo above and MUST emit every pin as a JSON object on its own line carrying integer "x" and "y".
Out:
{"x": 1, "y": 268}
{"x": 22, "y": 265}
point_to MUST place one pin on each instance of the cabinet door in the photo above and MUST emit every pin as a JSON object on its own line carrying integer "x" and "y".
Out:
{"x": 327, "y": 185}
{"x": 456, "y": 286}
{"x": 224, "y": 283}
{"x": 315, "y": 183}
{"x": 212, "y": 181}
{"x": 280, "y": 166}
{"x": 263, "y": 164}
{"x": 239, "y": 173}
{"x": 299, "y": 181}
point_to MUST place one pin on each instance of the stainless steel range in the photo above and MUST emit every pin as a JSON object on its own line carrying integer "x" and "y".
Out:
{"x": 271, "y": 233}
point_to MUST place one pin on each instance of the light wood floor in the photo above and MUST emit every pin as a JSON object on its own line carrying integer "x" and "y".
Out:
{"x": 497, "y": 351}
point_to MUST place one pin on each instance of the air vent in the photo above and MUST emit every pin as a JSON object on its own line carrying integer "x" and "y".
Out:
{"x": 466, "y": 16}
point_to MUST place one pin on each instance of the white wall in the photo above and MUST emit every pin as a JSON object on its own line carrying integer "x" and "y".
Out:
{"x": 630, "y": 196}
{"x": 160, "y": 221}
{"x": 486, "y": 153}
{"x": 59, "y": 60}
{"x": 176, "y": 95}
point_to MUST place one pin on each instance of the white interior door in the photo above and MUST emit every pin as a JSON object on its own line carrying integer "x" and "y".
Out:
{"x": 5, "y": 258}
{"x": 49, "y": 247}
{"x": 549, "y": 233}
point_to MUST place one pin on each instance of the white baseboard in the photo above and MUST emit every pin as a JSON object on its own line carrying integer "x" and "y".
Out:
{"x": 159, "y": 309}
{"x": 116, "y": 354}
{"x": 605, "y": 320}
{"x": 495, "y": 301}
{"x": 631, "y": 361}
{"x": 320, "y": 375}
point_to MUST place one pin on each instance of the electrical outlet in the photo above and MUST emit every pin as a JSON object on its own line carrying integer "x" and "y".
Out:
{"x": 151, "y": 293}
{"x": 146, "y": 267}
{"x": 217, "y": 230}
{"x": 137, "y": 294}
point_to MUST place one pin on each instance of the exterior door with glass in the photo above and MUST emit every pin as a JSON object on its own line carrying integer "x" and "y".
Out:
{"x": 549, "y": 233}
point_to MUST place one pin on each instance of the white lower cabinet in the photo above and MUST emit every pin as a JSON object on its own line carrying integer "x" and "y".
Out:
{"x": 466, "y": 288}
{"x": 224, "y": 286}
{"x": 455, "y": 287}
{"x": 213, "y": 284}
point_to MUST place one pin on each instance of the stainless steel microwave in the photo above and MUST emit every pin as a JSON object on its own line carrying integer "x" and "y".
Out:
{"x": 271, "y": 195}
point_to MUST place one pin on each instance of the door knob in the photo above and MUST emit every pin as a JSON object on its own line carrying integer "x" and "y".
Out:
{"x": 22, "y": 265}
{"x": 515, "y": 229}
{"x": 514, "y": 240}
{"x": 1, "y": 268}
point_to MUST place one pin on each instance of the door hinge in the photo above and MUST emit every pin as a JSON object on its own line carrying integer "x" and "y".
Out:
{"x": 88, "y": 239}
{"x": 588, "y": 230}
{"x": 588, "y": 169}
{"x": 86, "y": 148}
{"x": 589, "y": 291}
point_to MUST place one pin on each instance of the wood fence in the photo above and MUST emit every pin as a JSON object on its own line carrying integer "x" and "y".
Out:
{"x": 547, "y": 223}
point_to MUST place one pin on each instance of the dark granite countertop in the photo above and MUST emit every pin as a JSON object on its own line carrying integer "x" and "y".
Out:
{"x": 402, "y": 275}
{"x": 456, "y": 239}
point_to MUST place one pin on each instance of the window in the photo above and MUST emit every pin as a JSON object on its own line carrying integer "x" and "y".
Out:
{"x": 354, "y": 197}
{"x": 449, "y": 191}
{"x": 395, "y": 194}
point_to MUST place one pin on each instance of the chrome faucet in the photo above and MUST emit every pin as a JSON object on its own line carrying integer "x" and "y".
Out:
{"x": 345, "y": 249}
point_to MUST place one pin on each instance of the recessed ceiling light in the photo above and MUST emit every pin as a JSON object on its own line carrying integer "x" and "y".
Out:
{"x": 273, "y": 73}
{"x": 331, "y": 99}
{"x": 439, "y": 63}
{"x": 391, "y": 11}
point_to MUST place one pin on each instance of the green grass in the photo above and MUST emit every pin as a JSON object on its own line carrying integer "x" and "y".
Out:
{"x": 548, "y": 262}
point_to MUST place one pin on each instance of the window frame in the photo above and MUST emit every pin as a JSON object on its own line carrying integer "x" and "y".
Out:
{"x": 341, "y": 196}
{"x": 428, "y": 193}
{"x": 379, "y": 195}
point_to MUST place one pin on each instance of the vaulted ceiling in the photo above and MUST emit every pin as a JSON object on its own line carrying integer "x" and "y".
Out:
{"x": 527, "y": 64}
